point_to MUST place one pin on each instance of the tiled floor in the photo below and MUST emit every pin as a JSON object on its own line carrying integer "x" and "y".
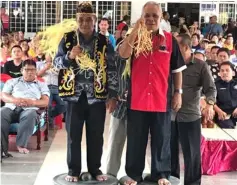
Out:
{"x": 39, "y": 167}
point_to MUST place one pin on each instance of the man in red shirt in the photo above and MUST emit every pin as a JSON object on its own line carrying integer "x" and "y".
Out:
{"x": 149, "y": 98}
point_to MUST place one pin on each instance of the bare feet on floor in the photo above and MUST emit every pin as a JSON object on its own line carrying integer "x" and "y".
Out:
{"x": 130, "y": 182}
{"x": 101, "y": 178}
{"x": 71, "y": 178}
{"x": 163, "y": 182}
{"x": 22, "y": 150}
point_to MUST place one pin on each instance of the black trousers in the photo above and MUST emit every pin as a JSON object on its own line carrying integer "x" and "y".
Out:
{"x": 94, "y": 118}
{"x": 189, "y": 135}
{"x": 139, "y": 124}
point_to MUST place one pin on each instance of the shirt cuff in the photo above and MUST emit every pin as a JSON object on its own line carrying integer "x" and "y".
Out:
{"x": 179, "y": 69}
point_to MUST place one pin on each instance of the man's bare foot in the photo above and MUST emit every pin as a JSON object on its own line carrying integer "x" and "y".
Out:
{"x": 22, "y": 150}
{"x": 163, "y": 182}
{"x": 130, "y": 182}
{"x": 71, "y": 178}
{"x": 101, "y": 178}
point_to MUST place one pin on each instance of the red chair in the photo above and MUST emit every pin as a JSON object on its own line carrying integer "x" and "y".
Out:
{"x": 5, "y": 77}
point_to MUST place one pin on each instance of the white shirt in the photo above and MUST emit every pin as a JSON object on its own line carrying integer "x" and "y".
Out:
{"x": 165, "y": 25}
{"x": 233, "y": 59}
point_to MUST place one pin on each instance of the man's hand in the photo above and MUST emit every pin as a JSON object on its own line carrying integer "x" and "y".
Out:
{"x": 76, "y": 50}
{"x": 111, "y": 105}
{"x": 234, "y": 114}
{"x": 23, "y": 102}
{"x": 176, "y": 102}
{"x": 221, "y": 115}
{"x": 20, "y": 102}
{"x": 208, "y": 112}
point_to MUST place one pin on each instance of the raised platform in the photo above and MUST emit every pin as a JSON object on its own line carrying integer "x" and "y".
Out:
{"x": 173, "y": 181}
{"x": 60, "y": 180}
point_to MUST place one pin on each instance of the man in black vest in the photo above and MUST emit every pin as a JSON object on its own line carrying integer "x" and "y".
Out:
{"x": 88, "y": 81}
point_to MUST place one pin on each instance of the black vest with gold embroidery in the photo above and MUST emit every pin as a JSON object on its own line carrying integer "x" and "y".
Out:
{"x": 67, "y": 82}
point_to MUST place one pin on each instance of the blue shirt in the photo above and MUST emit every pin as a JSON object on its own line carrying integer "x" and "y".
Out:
{"x": 214, "y": 29}
{"x": 19, "y": 88}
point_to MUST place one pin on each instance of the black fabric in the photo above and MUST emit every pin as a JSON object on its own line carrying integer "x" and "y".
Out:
{"x": 94, "y": 118}
{"x": 66, "y": 90}
{"x": 139, "y": 125}
{"x": 189, "y": 135}
{"x": 12, "y": 70}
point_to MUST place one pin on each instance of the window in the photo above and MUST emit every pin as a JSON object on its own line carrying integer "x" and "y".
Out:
{"x": 122, "y": 8}
{"x": 17, "y": 15}
{"x": 52, "y": 12}
{"x": 226, "y": 11}
{"x": 35, "y": 16}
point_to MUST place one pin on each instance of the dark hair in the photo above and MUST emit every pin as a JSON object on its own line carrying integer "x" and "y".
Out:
{"x": 16, "y": 46}
{"x": 21, "y": 41}
{"x": 235, "y": 46}
{"x": 224, "y": 50}
{"x": 227, "y": 63}
{"x": 195, "y": 34}
{"x": 215, "y": 47}
{"x": 29, "y": 62}
{"x": 185, "y": 40}
{"x": 212, "y": 42}
{"x": 126, "y": 18}
{"x": 213, "y": 35}
{"x": 165, "y": 13}
{"x": 85, "y": 7}
{"x": 104, "y": 19}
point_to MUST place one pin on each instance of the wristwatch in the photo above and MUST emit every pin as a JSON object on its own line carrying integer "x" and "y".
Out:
{"x": 180, "y": 91}
{"x": 210, "y": 102}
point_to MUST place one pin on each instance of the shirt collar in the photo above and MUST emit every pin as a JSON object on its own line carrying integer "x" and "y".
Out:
{"x": 22, "y": 79}
{"x": 161, "y": 32}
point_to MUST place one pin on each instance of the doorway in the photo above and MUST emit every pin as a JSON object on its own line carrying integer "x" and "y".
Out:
{"x": 188, "y": 10}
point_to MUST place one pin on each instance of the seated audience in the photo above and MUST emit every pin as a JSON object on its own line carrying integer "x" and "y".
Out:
{"x": 234, "y": 56}
{"x": 214, "y": 38}
{"x": 229, "y": 43}
{"x": 223, "y": 54}
{"x": 25, "y": 49}
{"x": 5, "y": 50}
{"x": 200, "y": 54}
{"x": 195, "y": 42}
{"x": 44, "y": 69}
{"x": 13, "y": 67}
{"x": 23, "y": 97}
{"x": 213, "y": 55}
{"x": 226, "y": 102}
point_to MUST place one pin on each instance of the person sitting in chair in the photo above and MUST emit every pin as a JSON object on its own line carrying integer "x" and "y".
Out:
{"x": 226, "y": 104}
{"x": 23, "y": 96}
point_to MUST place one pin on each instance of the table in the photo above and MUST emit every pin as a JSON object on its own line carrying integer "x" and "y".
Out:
{"x": 218, "y": 150}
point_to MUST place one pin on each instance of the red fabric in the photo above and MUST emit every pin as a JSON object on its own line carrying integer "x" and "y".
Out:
{"x": 120, "y": 26}
{"x": 150, "y": 77}
{"x": 58, "y": 119}
{"x": 218, "y": 156}
{"x": 5, "y": 21}
{"x": 5, "y": 77}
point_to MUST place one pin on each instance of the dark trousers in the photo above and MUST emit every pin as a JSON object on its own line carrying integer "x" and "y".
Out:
{"x": 94, "y": 118}
{"x": 189, "y": 135}
{"x": 138, "y": 126}
{"x": 26, "y": 119}
{"x": 59, "y": 108}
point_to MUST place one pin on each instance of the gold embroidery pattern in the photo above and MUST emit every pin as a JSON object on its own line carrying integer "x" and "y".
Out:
{"x": 68, "y": 83}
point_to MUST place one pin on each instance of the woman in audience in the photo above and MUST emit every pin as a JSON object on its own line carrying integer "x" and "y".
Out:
{"x": 122, "y": 36}
{"x": 229, "y": 43}
{"x": 215, "y": 38}
{"x": 25, "y": 48}
{"x": 5, "y": 50}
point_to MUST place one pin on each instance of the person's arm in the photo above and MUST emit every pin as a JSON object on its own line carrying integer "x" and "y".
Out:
{"x": 209, "y": 87}
{"x": 112, "y": 72}
{"x": 126, "y": 48}
{"x": 62, "y": 59}
{"x": 177, "y": 66}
